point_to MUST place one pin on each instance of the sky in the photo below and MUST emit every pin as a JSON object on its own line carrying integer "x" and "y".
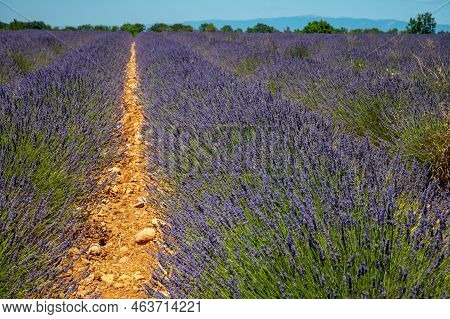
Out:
{"x": 116, "y": 12}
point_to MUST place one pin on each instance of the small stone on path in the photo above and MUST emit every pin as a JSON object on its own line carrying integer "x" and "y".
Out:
{"x": 138, "y": 277}
{"x": 95, "y": 249}
{"x": 145, "y": 235}
{"x": 124, "y": 277}
{"x": 109, "y": 278}
{"x": 158, "y": 222}
{"x": 123, "y": 260}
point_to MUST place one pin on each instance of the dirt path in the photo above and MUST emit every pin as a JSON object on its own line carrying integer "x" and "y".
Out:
{"x": 124, "y": 224}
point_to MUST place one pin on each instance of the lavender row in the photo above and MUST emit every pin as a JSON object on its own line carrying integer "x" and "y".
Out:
{"x": 22, "y": 52}
{"x": 271, "y": 200}
{"x": 392, "y": 88}
{"x": 58, "y": 127}
{"x": 386, "y": 54}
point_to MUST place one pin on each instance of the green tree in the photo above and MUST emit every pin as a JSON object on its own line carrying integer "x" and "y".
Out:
{"x": 340, "y": 30}
{"x": 16, "y": 25}
{"x": 357, "y": 31}
{"x": 226, "y": 28}
{"x": 261, "y": 28}
{"x": 115, "y": 28}
{"x": 134, "y": 29}
{"x": 373, "y": 31}
{"x": 159, "y": 27}
{"x": 318, "y": 27}
{"x": 392, "y": 31}
{"x": 423, "y": 24}
{"x": 28, "y": 25}
{"x": 69, "y": 28}
{"x": 102, "y": 28}
{"x": 178, "y": 27}
{"x": 85, "y": 27}
{"x": 36, "y": 25}
{"x": 238, "y": 30}
{"x": 139, "y": 27}
{"x": 207, "y": 27}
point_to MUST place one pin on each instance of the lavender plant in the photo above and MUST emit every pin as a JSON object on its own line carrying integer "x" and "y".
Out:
{"x": 22, "y": 52}
{"x": 57, "y": 128}
{"x": 271, "y": 200}
{"x": 394, "y": 89}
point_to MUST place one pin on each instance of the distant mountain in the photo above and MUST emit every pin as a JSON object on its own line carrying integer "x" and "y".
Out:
{"x": 299, "y": 22}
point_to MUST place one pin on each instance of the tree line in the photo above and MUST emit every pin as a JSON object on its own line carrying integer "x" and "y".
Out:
{"x": 423, "y": 24}
{"x": 133, "y": 28}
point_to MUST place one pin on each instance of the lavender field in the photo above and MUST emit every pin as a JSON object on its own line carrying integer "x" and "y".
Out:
{"x": 278, "y": 165}
{"x": 57, "y": 128}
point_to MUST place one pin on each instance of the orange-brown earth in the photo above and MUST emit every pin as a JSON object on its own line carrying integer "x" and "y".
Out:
{"x": 123, "y": 226}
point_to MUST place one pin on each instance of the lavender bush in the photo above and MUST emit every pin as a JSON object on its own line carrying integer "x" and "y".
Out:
{"x": 57, "y": 128}
{"x": 393, "y": 88}
{"x": 271, "y": 200}
{"x": 22, "y": 52}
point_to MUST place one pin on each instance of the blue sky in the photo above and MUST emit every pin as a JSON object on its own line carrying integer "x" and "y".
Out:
{"x": 110, "y": 12}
